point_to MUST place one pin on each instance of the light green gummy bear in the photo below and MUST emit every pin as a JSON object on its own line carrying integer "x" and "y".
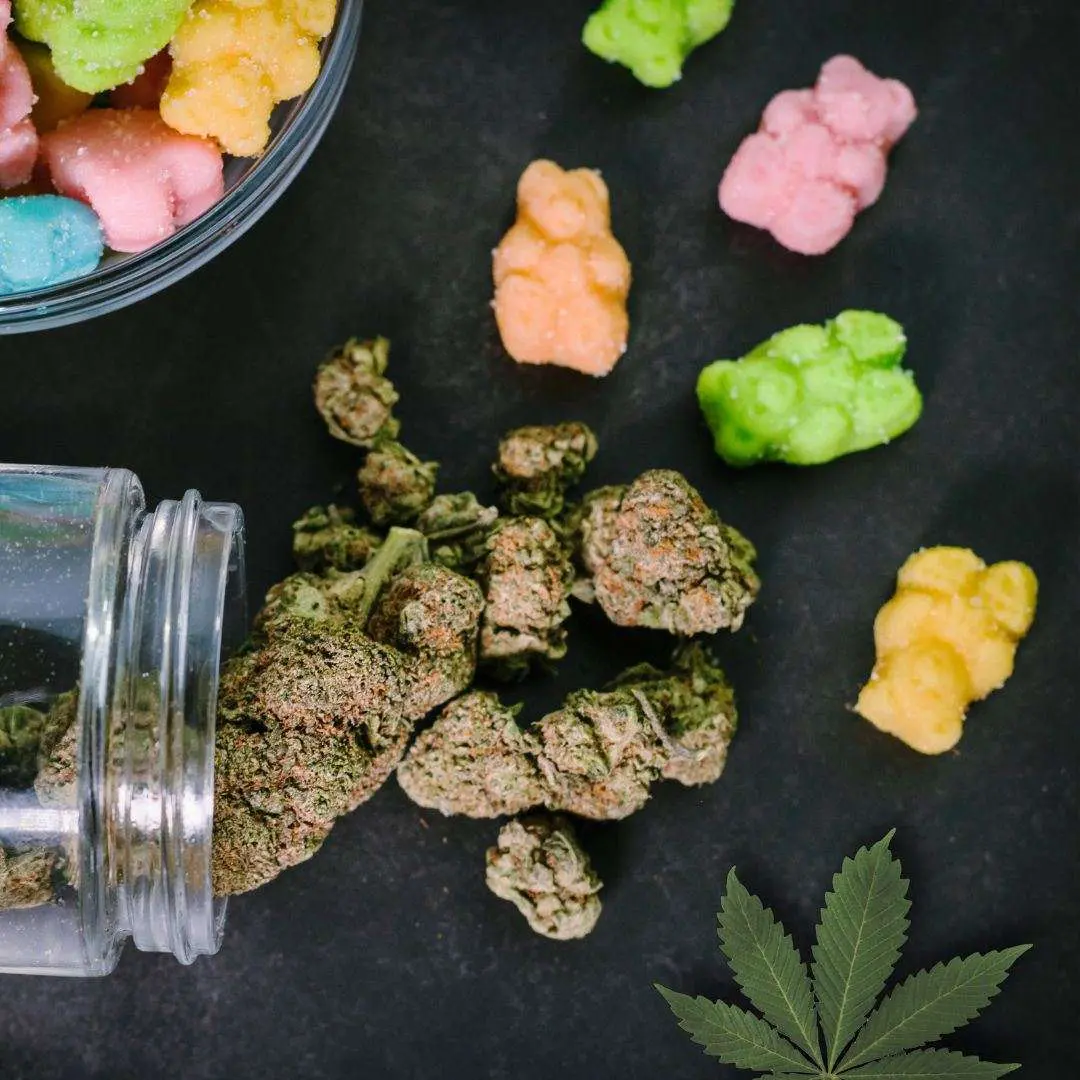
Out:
{"x": 653, "y": 37}
{"x": 99, "y": 44}
{"x": 812, "y": 393}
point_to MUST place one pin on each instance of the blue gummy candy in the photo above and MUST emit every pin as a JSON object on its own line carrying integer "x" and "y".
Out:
{"x": 44, "y": 240}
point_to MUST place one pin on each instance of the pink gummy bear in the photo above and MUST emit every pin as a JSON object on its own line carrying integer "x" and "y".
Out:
{"x": 143, "y": 179}
{"x": 819, "y": 157}
{"x": 18, "y": 139}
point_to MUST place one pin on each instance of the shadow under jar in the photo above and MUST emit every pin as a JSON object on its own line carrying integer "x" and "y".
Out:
{"x": 113, "y": 623}
{"x": 252, "y": 186}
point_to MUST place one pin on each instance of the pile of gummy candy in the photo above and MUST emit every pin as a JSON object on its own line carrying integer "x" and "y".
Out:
{"x": 115, "y": 116}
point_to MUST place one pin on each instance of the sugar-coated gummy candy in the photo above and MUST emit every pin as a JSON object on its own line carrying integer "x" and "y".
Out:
{"x": 45, "y": 240}
{"x": 56, "y": 100}
{"x": 234, "y": 60}
{"x": 98, "y": 44}
{"x": 654, "y": 37}
{"x": 18, "y": 136}
{"x": 143, "y": 179}
{"x": 812, "y": 393}
{"x": 561, "y": 277}
{"x": 947, "y": 638}
{"x": 819, "y": 157}
{"x": 145, "y": 90}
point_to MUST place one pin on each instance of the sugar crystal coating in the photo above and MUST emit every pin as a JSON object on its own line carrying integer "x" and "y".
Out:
{"x": 143, "y": 179}
{"x": 947, "y": 638}
{"x": 812, "y": 393}
{"x": 98, "y": 44}
{"x": 46, "y": 240}
{"x": 819, "y": 157}
{"x": 55, "y": 100}
{"x": 561, "y": 277}
{"x": 18, "y": 137}
{"x": 654, "y": 37}
{"x": 234, "y": 60}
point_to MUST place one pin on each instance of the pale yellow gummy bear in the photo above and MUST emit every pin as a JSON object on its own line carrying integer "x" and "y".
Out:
{"x": 947, "y": 638}
{"x": 234, "y": 60}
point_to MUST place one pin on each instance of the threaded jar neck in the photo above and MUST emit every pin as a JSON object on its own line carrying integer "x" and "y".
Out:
{"x": 179, "y": 604}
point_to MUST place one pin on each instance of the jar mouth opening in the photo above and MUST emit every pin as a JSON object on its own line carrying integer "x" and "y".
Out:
{"x": 148, "y": 706}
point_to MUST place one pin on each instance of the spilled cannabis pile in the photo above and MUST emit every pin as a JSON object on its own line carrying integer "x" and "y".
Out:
{"x": 400, "y": 602}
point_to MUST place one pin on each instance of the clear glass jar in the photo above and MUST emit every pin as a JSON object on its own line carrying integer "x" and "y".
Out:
{"x": 113, "y": 621}
{"x": 252, "y": 185}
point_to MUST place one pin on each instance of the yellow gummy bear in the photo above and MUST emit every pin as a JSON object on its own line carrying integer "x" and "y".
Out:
{"x": 947, "y": 638}
{"x": 234, "y": 60}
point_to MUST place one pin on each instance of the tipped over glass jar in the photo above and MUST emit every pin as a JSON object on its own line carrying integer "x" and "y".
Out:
{"x": 113, "y": 622}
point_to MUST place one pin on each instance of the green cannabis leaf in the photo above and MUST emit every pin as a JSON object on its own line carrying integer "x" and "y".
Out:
{"x": 863, "y": 925}
{"x": 828, "y": 1028}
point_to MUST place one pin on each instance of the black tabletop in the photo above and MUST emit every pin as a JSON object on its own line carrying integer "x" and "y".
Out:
{"x": 385, "y": 956}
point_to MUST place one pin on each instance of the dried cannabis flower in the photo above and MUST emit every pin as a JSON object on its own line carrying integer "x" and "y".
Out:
{"x": 599, "y": 755}
{"x": 354, "y": 396}
{"x": 25, "y": 735}
{"x": 328, "y": 538}
{"x": 395, "y": 485}
{"x": 539, "y": 866}
{"x": 310, "y": 722}
{"x": 309, "y": 725}
{"x": 696, "y": 707}
{"x": 526, "y": 576}
{"x": 658, "y": 557}
{"x": 26, "y": 878}
{"x": 278, "y": 793}
{"x": 457, "y": 528}
{"x": 432, "y": 617}
{"x": 474, "y": 760}
{"x": 538, "y": 465}
{"x": 314, "y": 719}
{"x": 58, "y": 767}
{"x": 601, "y": 752}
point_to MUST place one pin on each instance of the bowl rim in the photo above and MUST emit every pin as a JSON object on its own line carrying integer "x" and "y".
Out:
{"x": 138, "y": 276}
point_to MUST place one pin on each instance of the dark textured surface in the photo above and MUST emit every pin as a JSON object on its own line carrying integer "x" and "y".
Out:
{"x": 385, "y": 956}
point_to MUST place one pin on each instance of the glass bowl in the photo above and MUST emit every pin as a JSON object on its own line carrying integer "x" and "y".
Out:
{"x": 251, "y": 188}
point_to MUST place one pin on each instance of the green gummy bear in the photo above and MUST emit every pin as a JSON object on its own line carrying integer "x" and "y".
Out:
{"x": 99, "y": 44}
{"x": 812, "y": 393}
{"x": 653, "y": 37}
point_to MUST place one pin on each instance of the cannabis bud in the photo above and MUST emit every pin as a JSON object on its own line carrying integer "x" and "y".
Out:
{"x": 328, "y": 538}
{"x": 538, "y": 465}
{"x": 309, "y": 725}
{"x": 353, "y": 394}
{"x": 314, "y": 718}
{"x": 457, "y": 528}
{"x": 431, "y": 616}
{"x": 395, "y": 485}
{"x": 539, "y": 866}
{"x": 527, "y": 577}
{"x": 26, "y": 878}
{"x": 656, "y": 556}
{"x": 474, "y": 760}
{"x": 56, "y": 783}
{"x": 602, "y": 751}
{"x": 599, "y": 754}
{"x": 695, "y": 706}
{"x": 25, "y": 735}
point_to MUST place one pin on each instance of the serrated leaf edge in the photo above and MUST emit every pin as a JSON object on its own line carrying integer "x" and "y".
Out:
{"x": 857, "y": 1055}
{"x": 868, "y": 1070}
{"x": 805, "y": 1040}
{"x": 796, "y": 1063}
{"x": 836, "y": 895}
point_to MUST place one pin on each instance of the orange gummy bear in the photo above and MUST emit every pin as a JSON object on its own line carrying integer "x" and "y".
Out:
{"x": 234, "y": 60}
{"x": 947, "y": 638}
{"x": 561, "y": 277}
